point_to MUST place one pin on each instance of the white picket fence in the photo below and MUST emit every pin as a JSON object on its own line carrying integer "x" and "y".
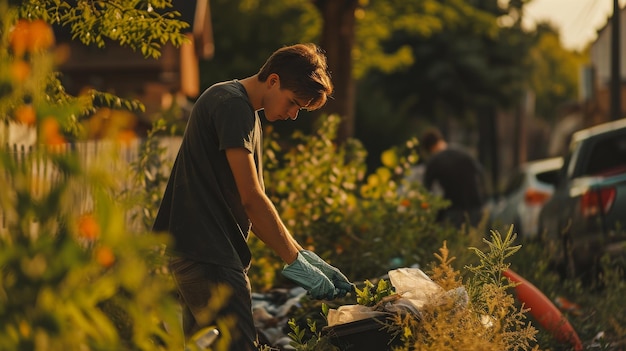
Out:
{"x": 113, "y": 158}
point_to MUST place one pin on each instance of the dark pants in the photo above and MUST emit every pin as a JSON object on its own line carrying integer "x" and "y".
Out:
{"x": 197, "y": 282}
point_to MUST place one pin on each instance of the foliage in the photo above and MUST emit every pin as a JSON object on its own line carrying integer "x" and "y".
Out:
{"x": 362, "y": 223}
{"x": 554, "y": 73}
{"x": 299, "y": 21}
{"x": 492, "y": 263}
{"x": 150, "y": 176}
{"x": 467, "y": 63}
{"x": 595, "y": 311}
{"x": 73, "y": 275}
{"x": 28, "y": 81}
{"x": 444, "y": 273}
{"x": 491, "y": 320}
{"x": 380, "y": 21}
{"x": 275, "y": 24}
{"x": 315, "y": 342}
{"x": 144, "y": 25}
{"x": 371, "y": 294}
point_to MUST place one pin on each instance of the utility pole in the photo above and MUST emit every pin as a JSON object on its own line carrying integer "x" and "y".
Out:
{"x": 616, "y": 79}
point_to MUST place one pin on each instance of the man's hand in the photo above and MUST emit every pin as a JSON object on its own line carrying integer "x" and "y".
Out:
{"x": 312, "y": 279}
{"x": 342, "y": 284}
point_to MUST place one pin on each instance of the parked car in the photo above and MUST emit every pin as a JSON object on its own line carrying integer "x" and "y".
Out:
{"x": 586, "y": 216}
{"x": 525, "y": 192}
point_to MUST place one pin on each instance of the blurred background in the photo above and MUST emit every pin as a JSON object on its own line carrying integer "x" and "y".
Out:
{"x": 510, "y": 81}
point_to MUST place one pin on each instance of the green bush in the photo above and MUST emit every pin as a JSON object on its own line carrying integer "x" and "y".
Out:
{"x": 73, "y": 274}
{"x": 77, "y": 279}
{"x": 364, "y": 223}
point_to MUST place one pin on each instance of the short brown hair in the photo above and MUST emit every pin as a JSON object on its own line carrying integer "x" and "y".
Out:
{"x": 430, "y": 137}
{"x": 302, "y": 69}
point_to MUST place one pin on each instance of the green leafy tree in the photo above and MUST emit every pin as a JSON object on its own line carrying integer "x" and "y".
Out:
{"x": 555, "y": 71}
{"x": 247, "y": 31}
{"x": 365, "y": 29}
{"x": 140, "y": 25}
{"x": 354, "y": 34}
{"x": 144, "y": 25}
{"x": 468, "y": 68}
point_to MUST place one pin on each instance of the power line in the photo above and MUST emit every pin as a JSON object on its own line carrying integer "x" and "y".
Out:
{"x": 580, "y": 20}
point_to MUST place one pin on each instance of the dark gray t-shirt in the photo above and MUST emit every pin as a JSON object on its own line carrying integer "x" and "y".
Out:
{"x": 460, "y": 176}
{"x": 201, "y": 206}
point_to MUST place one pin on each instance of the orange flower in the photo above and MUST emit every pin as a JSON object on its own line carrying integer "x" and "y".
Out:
{"x": 49, "y": 127}
{"x": 20, "y": 71}
{"x": 26, "y": 114}
{"x": 50, "y": 134}
{"x": 405, "y": 203}
{"x": 19, "y": 37}
{"x": 425, "y": 205}
{"x": 105, "y": 256}
{"x": 32, "y": 36}
{"x": 88, "y": 228}
{"x": 126, "y": 136}
{"x": 41, "y": 36}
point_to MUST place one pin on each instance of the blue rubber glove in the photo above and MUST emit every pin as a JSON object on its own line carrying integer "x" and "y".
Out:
{"x": 310, "y": 278}
{"x": 342, "y": 284}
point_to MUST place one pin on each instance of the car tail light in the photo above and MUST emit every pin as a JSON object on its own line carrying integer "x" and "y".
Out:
{"x": 535, "y": 197}
{"x": 594, "y": 202}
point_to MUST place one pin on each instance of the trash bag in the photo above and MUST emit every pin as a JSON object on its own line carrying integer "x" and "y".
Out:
{"x": 414, "y": 290}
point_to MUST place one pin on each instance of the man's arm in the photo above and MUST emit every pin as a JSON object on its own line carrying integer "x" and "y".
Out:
{"x": 304, "y": 267}
{"x": 265, "y": 219}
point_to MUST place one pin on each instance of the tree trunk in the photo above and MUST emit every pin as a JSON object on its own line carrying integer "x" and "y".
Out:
{"x": 338, "y": 39}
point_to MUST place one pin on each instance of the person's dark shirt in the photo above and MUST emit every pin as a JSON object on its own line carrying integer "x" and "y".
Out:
{"x": 459, "y": 176}
{"x": 201, "y": 206}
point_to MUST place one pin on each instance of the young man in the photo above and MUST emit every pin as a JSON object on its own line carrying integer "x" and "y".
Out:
{"x": 215, "y": 194}
{"x": 458, "y": 175}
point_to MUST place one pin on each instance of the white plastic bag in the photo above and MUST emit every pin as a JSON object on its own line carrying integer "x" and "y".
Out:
{"x": 350, "y": 313}
{"x": 415, "y": 286}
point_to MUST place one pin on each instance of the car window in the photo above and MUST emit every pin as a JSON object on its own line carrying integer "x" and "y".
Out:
{"x": 608, "y": 156}
{"x": 549, "y": 177}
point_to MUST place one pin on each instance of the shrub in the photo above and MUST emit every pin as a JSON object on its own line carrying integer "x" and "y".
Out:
{"x": 76, "y": 279}
{"x": 73, "y": 275}
{"x": 362, "y": 223}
